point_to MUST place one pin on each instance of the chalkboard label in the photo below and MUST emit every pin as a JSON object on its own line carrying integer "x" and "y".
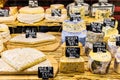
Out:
{"x": 4, "y": 13}
{"x": 72, "y": 52}
{"x": 109, "y": 22}
{"x": 56, "y": 12}
{"x": 45, "y": 72}
{"x": 95, "y": 27}
{"x": 118, "y": 41}
{"x": 71, "y": 40}
{"x": 31, "y": 33}
{"x": 33, "y": 3}
{"x": 99, "y": 47}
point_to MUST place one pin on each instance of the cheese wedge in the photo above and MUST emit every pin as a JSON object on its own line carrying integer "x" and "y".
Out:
{"x": 99, "y": 62}
{"x": 22, "y": 58}
{"x": 68, "y": 65}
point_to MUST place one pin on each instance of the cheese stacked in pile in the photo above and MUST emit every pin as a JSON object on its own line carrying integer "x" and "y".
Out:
{"x": 43, "y": 42}
{"x": 30, "y": 15}
{"x": 22, "y": 61}
{"x": 4, "y": 33}
{"x": 74, "y": 28}
{"x": 99, "y": 62}
{"x": 62, "y": 16}
{"x": 12, "y": 16}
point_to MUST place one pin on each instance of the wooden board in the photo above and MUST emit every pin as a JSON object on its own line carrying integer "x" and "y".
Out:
{"x": 13, "y": 76}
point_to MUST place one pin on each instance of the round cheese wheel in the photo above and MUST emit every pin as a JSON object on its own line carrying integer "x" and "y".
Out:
{"x": 57, "y": 6}
{"x": 28, "y": 10}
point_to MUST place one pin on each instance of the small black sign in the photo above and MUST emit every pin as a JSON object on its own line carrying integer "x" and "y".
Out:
{"x": 99, "y": 47}
{"x": 56, "y": 12}
{"x": 75, "y": 17}
{"x": 72, "y": 52}
{"x": 109, "y": 22}
{"x": 31, "y": 32}
{"x": 118, "y": 41}
{"x": 4, "y": 13}
{"x": 71, "y": 40}
{"x": 45, "y": 72}
{"x": 95, "y": 27}
{"x": 33, "y": 3}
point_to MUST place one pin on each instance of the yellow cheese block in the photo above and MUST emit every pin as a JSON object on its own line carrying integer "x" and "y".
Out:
{"x": 68, "y": 65}
{"x": 57, "y": 6}
{"x": 82, "y": 50}
{"x": 28, "y": 10}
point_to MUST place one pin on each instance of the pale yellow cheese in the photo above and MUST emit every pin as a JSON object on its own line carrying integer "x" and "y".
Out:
{"x": 68, "y": 65}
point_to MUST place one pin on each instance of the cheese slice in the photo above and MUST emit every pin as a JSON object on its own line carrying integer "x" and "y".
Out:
{"x": 68, "y": 65}
{"x": 82, "y": 50}
{"x": 22, "y": 58}
{"x": 99, "y": 62}
{"x": 41, "y": 38}
{"x": 28, "y": 10}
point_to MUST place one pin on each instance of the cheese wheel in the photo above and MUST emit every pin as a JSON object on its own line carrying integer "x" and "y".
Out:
{"x": 72, "y": 26}
{"x": 99, "y": 62}
{"x": 82, "y": 50}
{"x": 28, "y": 10}
{"x": 68, "y": 65}
{"x": 57, "y": 6}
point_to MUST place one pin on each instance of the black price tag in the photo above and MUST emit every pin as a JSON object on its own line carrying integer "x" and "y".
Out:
{"x": 99, "y": 47}
{"x": 75, "y": 17}
{"x": 31, "y": 33}
{"x": 71, "y": 40}
{"x": 56, "y": 12}
{"x": 72, "y": 52}
{"x": 33, "y": 3}
{"x": 95, "y": 27}
{"x": 4, "y": 13}
{"x": 109, "y": 22}
{"x": 45, "y": 72}
{"x": 118, "y": 41}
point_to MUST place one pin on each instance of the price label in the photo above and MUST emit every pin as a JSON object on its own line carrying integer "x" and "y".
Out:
{"x": 71, "y": 40}
{"x": 118, "y": 41}
{"x": 72, "y": 52}
{"x": 31, "y": 33}
{"x": 56, "y": 12}
{"x": 109, "y": 22}
{"x": 33, "y": 3}
{"x": 103, "y": 1}
{"x": 4, "y": 12}
{"x": 45, "y": 72}
{"x": 95, "y": 27}
{"x": 99, "y": 47}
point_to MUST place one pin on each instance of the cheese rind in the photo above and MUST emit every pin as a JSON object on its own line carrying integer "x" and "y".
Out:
{"x": 22, "y": 58}
{"x": 99, "y": 62}
{"x": 68, "y": 65}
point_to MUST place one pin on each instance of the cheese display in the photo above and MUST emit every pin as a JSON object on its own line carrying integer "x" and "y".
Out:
{"x": 22, "y": 58}
{"x": 74, "y": 28}
{"x": 68, "y": 65}
{"x": 99, "y": 62}
{"x": 30, "y": 15}
{"x": 112, "y": 47}
{"x": 117, "y": 61}
{"x": 43, "y": 42}
{"x": 78, "y": 7}
{"x": 56, "y": 13}
{"x": 104, "y": 7}
{"x": 11, "y": 16}
{"x": 82, "y": 50}
{"x": 4, "y": 33}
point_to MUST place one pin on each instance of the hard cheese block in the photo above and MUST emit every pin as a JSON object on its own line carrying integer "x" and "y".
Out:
{"x": 81, "y": 36}
{"x": 30, "y": 15}
{"x": 68, "y": 65}
{"x": 82, "y": 50}
{"x": 56, "y": 13}
{"x": 22, "y": 58}
{"x": 99, "y": 62}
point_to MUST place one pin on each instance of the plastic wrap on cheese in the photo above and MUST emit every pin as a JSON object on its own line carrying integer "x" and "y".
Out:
{"x": 99, "y": 62}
